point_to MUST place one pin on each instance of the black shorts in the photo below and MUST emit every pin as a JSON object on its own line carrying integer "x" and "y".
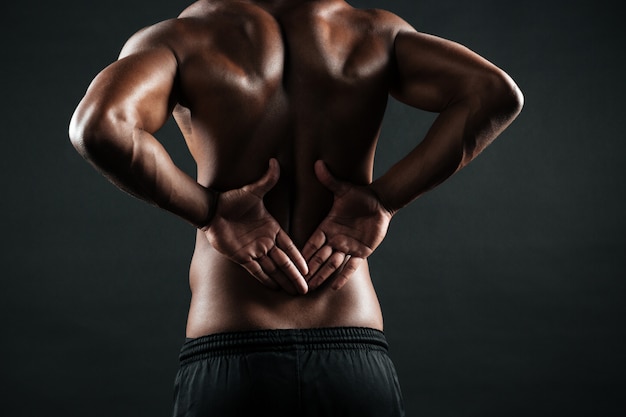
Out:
{"x": 297, "y": 373}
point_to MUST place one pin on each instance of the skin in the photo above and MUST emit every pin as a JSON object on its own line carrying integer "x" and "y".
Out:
{"x": 281, "y": 103}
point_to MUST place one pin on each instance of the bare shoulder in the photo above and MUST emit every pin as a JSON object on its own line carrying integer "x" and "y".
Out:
{"x": 202, "y": 23}
{"x": 381, "y": 21}
{"x": 159, "y": 35}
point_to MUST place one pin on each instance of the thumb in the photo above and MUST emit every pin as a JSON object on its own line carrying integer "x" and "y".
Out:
{"x": 327, "y": 179}
{"x": 267, "y": 181}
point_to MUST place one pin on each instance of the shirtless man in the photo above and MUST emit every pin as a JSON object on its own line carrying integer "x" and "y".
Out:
{"x": 280, "y": 103}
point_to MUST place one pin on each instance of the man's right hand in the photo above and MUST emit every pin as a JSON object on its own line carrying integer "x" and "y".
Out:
{"x": 246, "y": 233}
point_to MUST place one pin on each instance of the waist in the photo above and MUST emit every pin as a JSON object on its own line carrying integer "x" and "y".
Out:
{"x": 238, "y": 343}
{"x": 226, "y": 298}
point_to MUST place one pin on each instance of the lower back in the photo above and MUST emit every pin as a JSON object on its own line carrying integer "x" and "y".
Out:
{"x": 226, "y": 298}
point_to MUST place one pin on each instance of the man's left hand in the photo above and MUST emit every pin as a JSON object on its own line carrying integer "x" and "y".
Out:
{"x": 356, "y": 224}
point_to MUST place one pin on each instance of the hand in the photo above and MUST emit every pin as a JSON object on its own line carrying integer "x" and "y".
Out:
{"x": 356, "y": 224}
{"x": 244, "y": 231}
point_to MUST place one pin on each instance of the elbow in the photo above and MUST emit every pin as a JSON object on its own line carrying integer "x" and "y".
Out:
{"x": 504, "y": 96}
{"x": 497, "y": 100}
{"x": 93, "y": 131}
{"x": 86, "y": 129}
{"x": 78, "y": 131}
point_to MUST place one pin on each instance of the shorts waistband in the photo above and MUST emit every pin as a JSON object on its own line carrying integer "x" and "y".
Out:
{"x": 236, "y": 343}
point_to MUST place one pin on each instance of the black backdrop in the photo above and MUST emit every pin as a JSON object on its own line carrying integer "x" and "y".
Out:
{"x": 503, "y": 290}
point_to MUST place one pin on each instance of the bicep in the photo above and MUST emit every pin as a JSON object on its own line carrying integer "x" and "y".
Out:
{"x": 432, "y": 72}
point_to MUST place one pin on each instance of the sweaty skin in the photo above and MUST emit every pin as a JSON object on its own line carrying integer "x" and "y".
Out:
{"x": 280, "y": 103}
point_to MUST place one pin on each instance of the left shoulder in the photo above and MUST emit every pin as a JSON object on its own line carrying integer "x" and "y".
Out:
{"x": 383, "y": 21}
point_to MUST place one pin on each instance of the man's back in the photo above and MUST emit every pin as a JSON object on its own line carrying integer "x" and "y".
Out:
{"x": 298, "y": 84}
{"x": 304, "y": 83}
{"x": 282, "y": 301}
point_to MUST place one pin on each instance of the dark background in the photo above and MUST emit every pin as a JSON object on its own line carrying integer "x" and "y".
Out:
{"x": 503, "y": 289}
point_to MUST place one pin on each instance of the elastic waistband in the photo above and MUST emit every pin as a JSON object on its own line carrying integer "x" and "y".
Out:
{"x": 236, "y": 343}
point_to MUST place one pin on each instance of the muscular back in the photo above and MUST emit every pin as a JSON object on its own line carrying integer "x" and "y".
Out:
{"x": 298, "y": 84}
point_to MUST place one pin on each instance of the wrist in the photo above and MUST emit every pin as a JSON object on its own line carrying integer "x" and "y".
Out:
{"x": 379, "y": 194}
{"x": 212, "y": 199}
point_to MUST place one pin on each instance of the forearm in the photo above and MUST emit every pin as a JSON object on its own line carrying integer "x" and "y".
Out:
{"x": 458, "y": 135}
{"x": 136, "y": 162}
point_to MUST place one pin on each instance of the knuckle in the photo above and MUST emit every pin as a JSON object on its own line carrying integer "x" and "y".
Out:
{"x": 341, "y": 279}
{"x": 286, "y": 264}
{"x": 332, "y": 265}
{"x": 317, "y": 259}
{"x": 289, "y": 246}
{"x": 309, "y": 246}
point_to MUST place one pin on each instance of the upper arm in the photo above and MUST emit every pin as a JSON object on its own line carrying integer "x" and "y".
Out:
{"x": 431, "y": 72}
{"x": 138, "y": 89}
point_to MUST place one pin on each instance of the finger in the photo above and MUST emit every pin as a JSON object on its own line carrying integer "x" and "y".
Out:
{"x": 267, "y": 181}
{"x": 330, "y": 267}
{"x": 327, "y": 179}
{"x": 346, "y": 272}
{"x": 284, "y": 264}
{"x": 270, "y": 268}
{"x": 317, "y": 260}
{"x": 315, "y": 242}
{"x": 256, "y": 271}
{"x": 286, "y": 244}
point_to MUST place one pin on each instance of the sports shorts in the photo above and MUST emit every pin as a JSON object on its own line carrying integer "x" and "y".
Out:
{"x": 342, "y": 371}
